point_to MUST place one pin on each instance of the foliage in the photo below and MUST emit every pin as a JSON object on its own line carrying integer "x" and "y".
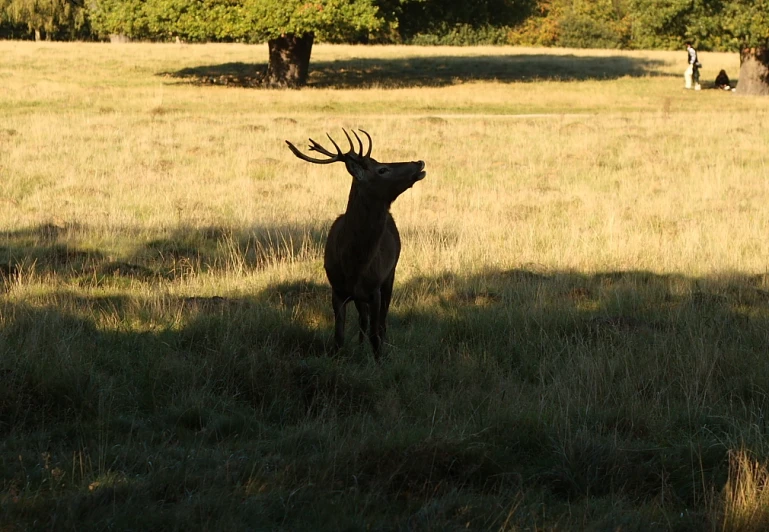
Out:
{"x": 10, "y": 29}
{"x": 710, "y": 24}
{"x": 53, "y": 18}
{"x": 433, "y": 22}
{"x": 640, "y": 24}
{"x": 329, "y": 20}
{"x": 584, "y": 31}
{"x": 660, "y": 23}
{"x": 576, "y": 24}
{"x": 235, "y": 20}
{"x": 462, "y": 35}
{"x": 647, "y": 24}
{"x": 441, "y": 18}
{"x": 124, "y": 17}
{"x": 541, "y": 28}
{"x": 196, "y": 21}
{"x": 594, "y": 24}
{"x": 191, "y": 20}
{"x": 746, "y": 21}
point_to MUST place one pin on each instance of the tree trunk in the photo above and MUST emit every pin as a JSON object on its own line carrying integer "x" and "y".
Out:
{"x": 754, "y": 71}
{"x": 289, "y": 60}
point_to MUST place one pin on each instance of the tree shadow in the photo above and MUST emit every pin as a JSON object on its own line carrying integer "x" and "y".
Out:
{"x": 640, "y": 345}
{"x": 194, "y": 250}
{"x": 247, "y": 338}
{"x": 507, "y": 311}
{"x": 52, "y": 250}
{"x": 435, "y": 71}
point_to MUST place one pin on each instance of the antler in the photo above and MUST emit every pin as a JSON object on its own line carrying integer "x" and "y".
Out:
{"x": 314, "y": 146}
{"x": 370, "y": 143}
{"x": 333, "y": 157}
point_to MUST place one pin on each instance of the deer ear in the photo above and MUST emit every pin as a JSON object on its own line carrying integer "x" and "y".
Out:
{"x": 356, "y": 169}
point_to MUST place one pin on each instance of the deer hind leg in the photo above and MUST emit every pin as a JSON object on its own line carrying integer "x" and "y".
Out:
{"x": 363, "y": 319}
{"x": 340, "y": 315}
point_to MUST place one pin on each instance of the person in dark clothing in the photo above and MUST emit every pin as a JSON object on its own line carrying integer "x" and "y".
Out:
{"x": 722, "y": 81}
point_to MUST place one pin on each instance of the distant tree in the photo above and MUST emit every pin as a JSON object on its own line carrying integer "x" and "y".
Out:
{"x": 46, "y": 18}
{"x": 747, "y": 22}
{"x": 444, "y": 16}
{"x": 661, "y": 23}
{"x": 576, "y": 24}
{"x": 12, "y": 30}
{"x": 290, "y": 28}
{"x": 118, "y": 17}
{"x": 594, "y": 24}
{"x": 190, "y": 20}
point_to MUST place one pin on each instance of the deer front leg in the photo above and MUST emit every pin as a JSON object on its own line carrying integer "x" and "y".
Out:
{"x": 363, "y": 319}
{"x": 340, "y": 315}
{"x": 375, "y": 327}
{"x": 387, "y": 293}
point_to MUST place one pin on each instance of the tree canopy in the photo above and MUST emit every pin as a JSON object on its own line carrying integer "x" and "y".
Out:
{"x": 725, "y": 25}
{"x": 746, "y": 22}
{"x": 235, "y": 20}
{"x": 329, "y": 20}
{"x": 59, "y": 19}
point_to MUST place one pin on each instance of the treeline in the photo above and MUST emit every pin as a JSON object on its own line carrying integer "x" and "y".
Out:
{"x": 622, "y": 24}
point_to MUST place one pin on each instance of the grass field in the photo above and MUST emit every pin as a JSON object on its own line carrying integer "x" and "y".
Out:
{"x": 579, "y": 337}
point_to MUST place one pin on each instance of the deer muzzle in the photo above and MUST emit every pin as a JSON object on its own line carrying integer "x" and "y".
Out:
{"x": 421, "y": 174}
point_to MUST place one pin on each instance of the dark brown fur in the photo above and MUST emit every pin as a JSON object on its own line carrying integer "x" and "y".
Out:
{"x": 363, "y": 244}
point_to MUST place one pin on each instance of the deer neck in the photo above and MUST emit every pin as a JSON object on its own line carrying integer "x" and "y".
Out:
{"x": 365, "y": 221}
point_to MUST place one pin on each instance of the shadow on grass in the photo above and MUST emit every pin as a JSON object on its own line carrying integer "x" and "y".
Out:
{"x": 570, "y": 387}
{"x": 54, "y": 380}
{"x": 437, "y": 71}
{"x": 58, "y": 251}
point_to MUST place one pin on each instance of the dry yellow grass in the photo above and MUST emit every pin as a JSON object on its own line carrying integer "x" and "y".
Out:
{"x": 579, "y": 319}
{"x": 672, "y": 182}
{"x": 746, "y": 499}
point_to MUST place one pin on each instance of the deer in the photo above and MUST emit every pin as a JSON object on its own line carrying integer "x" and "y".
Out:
{"x": 363, "y": 244}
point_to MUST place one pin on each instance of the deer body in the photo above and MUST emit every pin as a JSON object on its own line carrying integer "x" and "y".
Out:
{"x": 361, "y": 254}
{"x": 363, "y": 244}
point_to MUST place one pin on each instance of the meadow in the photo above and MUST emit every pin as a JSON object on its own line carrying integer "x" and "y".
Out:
{"x": 579, "y": 335}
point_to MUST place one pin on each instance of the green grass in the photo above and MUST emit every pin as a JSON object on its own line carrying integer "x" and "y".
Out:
{"x": 580, "y": 321}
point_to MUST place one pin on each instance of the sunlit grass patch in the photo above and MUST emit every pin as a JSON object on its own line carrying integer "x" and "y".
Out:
{"x": 745, "y": 502}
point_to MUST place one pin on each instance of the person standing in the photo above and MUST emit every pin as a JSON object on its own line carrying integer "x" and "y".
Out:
{"x": 692, "y": 74}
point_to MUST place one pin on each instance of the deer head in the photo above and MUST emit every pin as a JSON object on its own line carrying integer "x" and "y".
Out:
{"x": 384, "y": 181}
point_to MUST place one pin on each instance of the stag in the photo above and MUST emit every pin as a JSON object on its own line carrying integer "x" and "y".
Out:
{"x": 363, "y": 244}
